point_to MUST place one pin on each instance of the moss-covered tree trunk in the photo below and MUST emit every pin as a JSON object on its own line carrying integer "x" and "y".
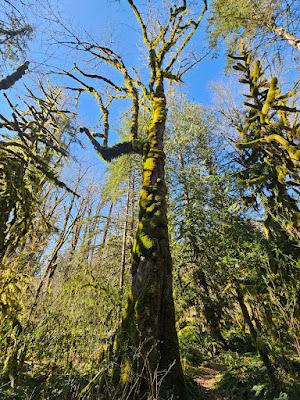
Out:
{"x": 150, "y": 316}
{"x": 147, "y": 342}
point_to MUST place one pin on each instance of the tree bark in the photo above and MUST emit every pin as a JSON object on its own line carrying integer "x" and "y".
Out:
{"x": 10, "y": 80}
{"x": 149, "y": 318}
{"x": 288, "y": 37}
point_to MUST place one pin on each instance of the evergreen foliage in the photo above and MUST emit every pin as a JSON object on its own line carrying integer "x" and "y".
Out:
{"x": 262, "y": 22}
{"x": 269, "y": 150}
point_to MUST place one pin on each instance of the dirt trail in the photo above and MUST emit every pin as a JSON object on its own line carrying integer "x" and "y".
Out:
{"x": 208, "y": 379}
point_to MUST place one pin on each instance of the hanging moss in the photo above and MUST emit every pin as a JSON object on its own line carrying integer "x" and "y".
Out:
{"x": 270, "y": 98}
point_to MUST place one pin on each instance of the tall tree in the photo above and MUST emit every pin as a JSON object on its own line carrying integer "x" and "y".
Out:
{"x": 196, "y": 191}
{"x": 149, "y": 317}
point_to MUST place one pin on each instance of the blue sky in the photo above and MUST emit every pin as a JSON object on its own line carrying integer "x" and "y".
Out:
{"x": 114, "y": 21}
{"x": 106, "y": 21}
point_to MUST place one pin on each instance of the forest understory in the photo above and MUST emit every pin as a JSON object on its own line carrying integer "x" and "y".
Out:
{"x": 149, "y": 200}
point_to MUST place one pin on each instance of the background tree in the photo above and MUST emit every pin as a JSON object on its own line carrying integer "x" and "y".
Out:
{"x": 14, "y": 35}
{"x": 265, "y": 21}
{"x": 269, "y": 153}
{"x": 32, "y": 146}
{"x": 224, "y": 266}
{"x": 270, "y": 28}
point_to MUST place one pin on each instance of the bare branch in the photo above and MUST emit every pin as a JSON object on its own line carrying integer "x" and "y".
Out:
{"x": 188, "y": 37}
{"x": 102, "y": 78}
{"x": 141, "y": 22}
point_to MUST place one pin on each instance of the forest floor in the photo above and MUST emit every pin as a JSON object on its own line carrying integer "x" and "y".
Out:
{"x": 208, "y": 379}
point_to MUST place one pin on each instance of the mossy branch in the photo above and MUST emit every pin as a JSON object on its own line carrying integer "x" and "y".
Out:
{"x": 113, "y": 152}
{"x": 141, "y": 22}
{"x": 10, "y": 80}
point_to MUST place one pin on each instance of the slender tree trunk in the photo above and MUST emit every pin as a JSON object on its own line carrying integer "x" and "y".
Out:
{"x": 261, "y": 348}
{"x": 94, "y": 234}
{"x": 124, "y": 241}
{"x": 150, "y": 315}
{"x": 106, "y": 229}
{"x": 76, "y": 232}
{"x": 288, "y": 37}
{"x": 4, "y": 218}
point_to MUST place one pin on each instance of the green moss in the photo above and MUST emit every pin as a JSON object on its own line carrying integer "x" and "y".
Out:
{"x": 146, "y": 241}
{"x": 252, "y": 143}
{"x": 268, "y": 161}
{"x": 253, "y": 181}
{"x": 125, "y": 372}
{"x": 135, "y": 247}
{"x": 128, "y": 306}
{"x": 281, "y": 173}
{"x": 249, "y": 58}
{"x": 151, "y": 208}
{"x": 158, "y": 116}
{"x": 147, "y": 177}
{"x": 255, "y": 73}
{"x": 150, "y": 164}
{"x": 270, "y": 97}
{"x": 159, "y": 109}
